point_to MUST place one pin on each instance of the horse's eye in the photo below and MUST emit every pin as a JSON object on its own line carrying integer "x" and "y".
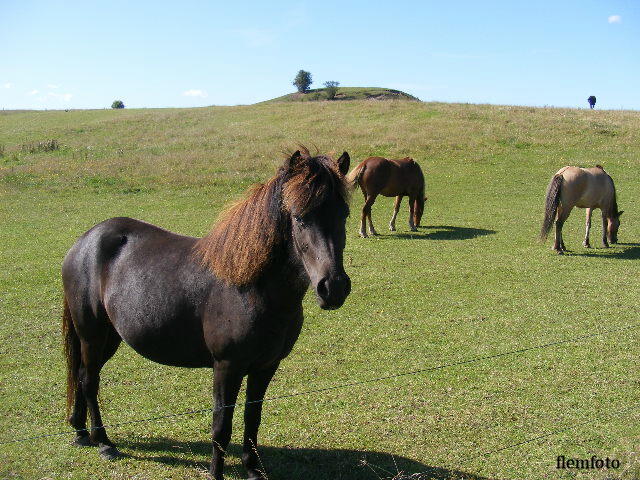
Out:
{"x": 299, "y": 220}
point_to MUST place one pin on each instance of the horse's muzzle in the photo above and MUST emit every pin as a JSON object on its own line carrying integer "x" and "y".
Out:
{"x": 333, "y": 290}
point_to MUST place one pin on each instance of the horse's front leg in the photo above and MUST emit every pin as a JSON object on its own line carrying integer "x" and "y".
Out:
{"x": 412, "y": 226}
{"x": 605, "y": 225}
{"x": 588, "y": 227}
{"x": 227, "y": 380}
{"x": 257, "y": 384}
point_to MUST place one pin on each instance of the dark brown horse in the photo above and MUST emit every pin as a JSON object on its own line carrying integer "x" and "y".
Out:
{"x": 585, "y": 188}
{"x": 390, "y": 178}
{"x": 231, "y": 300}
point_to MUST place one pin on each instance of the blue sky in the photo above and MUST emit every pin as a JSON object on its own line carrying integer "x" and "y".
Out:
{"x": 85, "y": 54}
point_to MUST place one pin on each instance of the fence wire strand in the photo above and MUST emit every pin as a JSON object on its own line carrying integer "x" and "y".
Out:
{"x": 332, "y": 387}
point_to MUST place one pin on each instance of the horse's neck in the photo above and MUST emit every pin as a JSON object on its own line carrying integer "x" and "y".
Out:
{"x": 285, "y": 281}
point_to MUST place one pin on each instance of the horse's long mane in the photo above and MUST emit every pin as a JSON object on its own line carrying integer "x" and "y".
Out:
{"x": 612, "y": 211}
{"x": 247, "y": 235}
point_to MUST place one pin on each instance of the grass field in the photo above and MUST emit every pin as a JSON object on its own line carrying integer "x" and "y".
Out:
{"x": 473, "y": 282}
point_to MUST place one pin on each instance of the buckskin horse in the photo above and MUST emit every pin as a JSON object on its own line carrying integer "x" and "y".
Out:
{"x": 585, "y": 188}
{"x": 390, "y": 178}
{"x": 231, "y": 300}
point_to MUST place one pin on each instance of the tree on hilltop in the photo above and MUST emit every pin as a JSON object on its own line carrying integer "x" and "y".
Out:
{"x": 303, "y": 81}
{"x": 331, "y": 87}
{"x": 117, "y": 104}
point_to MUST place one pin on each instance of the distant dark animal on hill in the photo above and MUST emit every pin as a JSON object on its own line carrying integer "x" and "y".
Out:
{"x": 592, "y": 101}
{"x": 390, "y": 178}
{"x": 231, "y": 300}
{"x": 585, "y": 188}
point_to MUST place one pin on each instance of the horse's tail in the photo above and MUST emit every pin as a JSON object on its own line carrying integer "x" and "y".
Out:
{"x": 551, "y": 205}
{"x": 354, "y": 176}
{"x": 71, "y": 352}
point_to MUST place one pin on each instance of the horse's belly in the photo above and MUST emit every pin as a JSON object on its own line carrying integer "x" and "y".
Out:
{"x": 390, "y": 192}
{"x": 166, "y": 331}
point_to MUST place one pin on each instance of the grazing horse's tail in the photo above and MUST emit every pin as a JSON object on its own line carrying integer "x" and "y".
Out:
{"x": 353, "y": 177}
{"x": 551, "y": 205}
{"x": 71, "y": 352}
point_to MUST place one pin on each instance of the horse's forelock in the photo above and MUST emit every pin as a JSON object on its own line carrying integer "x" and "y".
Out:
{"x": 313, "y": 182}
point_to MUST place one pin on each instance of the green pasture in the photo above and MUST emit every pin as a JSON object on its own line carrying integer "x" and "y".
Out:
{"x": 473, "y": 282}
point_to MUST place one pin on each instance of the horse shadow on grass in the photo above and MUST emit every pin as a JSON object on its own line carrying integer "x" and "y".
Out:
{"x": 632, "y": 252}
{"x": 295, "y": 463}
{"x": 440, "y": 232}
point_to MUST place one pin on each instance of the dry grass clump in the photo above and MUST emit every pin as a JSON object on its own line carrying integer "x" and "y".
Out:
{"x": 44, "y": 146}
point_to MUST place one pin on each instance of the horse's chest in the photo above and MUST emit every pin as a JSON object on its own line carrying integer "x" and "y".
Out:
{"x": 256, "y": 340}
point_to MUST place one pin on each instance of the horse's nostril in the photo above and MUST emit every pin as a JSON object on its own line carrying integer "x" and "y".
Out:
{"x": 323, "y": 288}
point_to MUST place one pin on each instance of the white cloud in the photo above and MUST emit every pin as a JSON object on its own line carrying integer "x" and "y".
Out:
{"x": 33, "y": 92}
{"x": 50, "y": 85}
{"x": 615, "y": 19}
{"x": 7, "y": 85}
{"x": 61, "y": 96}
{"x": 195, "y": 93}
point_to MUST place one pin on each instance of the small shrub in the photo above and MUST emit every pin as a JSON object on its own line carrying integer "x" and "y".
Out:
{"x": 117, "y": 104}
{"x": 331, "y": 88}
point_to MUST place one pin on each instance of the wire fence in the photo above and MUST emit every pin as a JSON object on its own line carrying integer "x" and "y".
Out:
{"x": 467, "y": 361}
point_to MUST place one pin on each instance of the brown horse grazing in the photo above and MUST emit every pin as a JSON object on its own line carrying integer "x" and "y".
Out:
{"x": 585, "y": 188}
{"x": 231, "y": 300}
{"x": 391, "y": 178}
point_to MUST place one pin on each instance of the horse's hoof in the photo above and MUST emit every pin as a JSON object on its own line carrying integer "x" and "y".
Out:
{"x": 82, "y": 441}
{"x": 392, "y": 229}
{"x": 586, "y": 245}
{"x": 363, "y": 235}
{"x": 109, "y": 452}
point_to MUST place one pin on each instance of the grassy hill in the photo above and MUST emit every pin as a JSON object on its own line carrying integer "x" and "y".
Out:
{"x": 473, "y": 282}
{"x": 346, "y": 93}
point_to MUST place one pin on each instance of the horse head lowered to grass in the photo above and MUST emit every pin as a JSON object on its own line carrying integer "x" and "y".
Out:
{"x": 231, "y": 301}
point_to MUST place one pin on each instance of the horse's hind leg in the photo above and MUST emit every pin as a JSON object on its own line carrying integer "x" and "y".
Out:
{"x": 366, "y": 214}
{"x": 97, "y": 341}
{"x": 588, "y": 227}
{"x": 563, "y": 214}
{"x": 94, "y": 355}
{"x": 396, "y": 207}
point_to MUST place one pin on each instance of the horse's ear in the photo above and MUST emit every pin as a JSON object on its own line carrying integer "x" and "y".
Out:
{"x": 343, "y": 163}
{"x": 290, "y": 163}
{"x": 620, "y": 213}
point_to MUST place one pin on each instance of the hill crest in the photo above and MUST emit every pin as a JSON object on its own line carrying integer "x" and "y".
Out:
{"x": 346, "y": 93}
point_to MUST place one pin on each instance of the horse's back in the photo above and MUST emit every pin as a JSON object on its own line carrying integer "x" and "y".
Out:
{"x": 393, "y": 177}
{"x": 149, "y": 284}
{"x": 586, "y": 187}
